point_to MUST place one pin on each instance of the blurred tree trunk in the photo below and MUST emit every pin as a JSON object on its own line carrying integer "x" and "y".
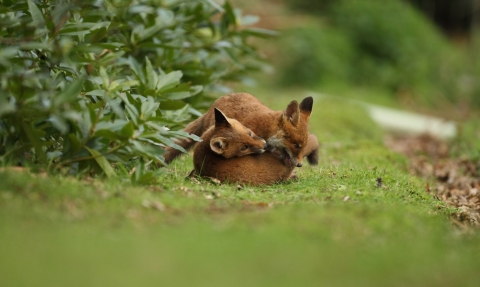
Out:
{"x": 455, "y": 17}
{"x": 475, "y": 28}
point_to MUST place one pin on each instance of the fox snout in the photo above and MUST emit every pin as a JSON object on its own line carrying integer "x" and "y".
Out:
{"x": 296, "y": 162}
{"x": 293, "y": 160}
{"x": 261, "y": 147}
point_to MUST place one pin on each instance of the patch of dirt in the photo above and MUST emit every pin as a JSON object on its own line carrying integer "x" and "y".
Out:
{"x": 456, "y": 181}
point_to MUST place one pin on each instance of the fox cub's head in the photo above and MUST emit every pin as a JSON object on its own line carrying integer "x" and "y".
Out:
{"x": 232, "y": 139}
{"x": 293, "y": 136}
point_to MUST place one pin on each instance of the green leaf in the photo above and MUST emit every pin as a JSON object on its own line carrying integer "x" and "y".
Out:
{"x": 102, "y": 162}
{"x": 229, "y": 15}
{"x": 259, "y": 32}
{"x": 195, "y": 90}
{"x": 147, "y": 177}
{"x": 141, "y": 33}
{"x": 70, "y": 93}
{"x": 178, "y": 95}
{"x": 127, "y": 130}
{"x": 110, "y": 58}
{"x": 100, "y": 93}
{"x": 185, "y": 134}
{"x": 74, "y": 142}
{"x": 143, "y": 176}
{"x": 66, "y": 69}
{"x": 28, "y": 46}
{"x": 110, "y": 45}
{"x": 157, "y": 127}
{"x": 136, "y": 68}
{"x": 37, "y": 17}
{"x": 122, "y": 129}
{"x": 104, "y": 24}
{"x": 7, "y": 105}
{"x": 60, "y": 15}
{"x": 85, "y": 124}
{"x": 231, "y": 54}
{"x": 116, "y": 106}
{"x": 54, "y": 154}
{"x": 59, "y": 123}
{"x": 147, "y": 149}
{"x": 104, "y": 77}
{"x": 141, "y": 9}
{"x": 148, "y": 108}
{"x": 148, "y": 32}
{"x": 249, "y": 20}
{"x": 131, "y": 108}
{"x": 215, "y": 5}
{"x": 182, "y": 87}
{"x": 167, "y": 142}
{"x": 152, "y": 77}
{"x": 172, "y": 105}
{"x": 34, "y": 136}
{"x": 108, "y": 134}
{"x": 169, "y": 80}
{"x": 120, "y": 85}
{"x": 74, "y": 33}
{"x": 122, "y": 169}
{"x": 8, "y": 52}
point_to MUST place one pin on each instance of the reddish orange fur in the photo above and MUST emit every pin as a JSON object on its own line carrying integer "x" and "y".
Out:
{"x": 254, "y": 169}
{"x": 232, "y": 139}
{"x": 281, "y": 129}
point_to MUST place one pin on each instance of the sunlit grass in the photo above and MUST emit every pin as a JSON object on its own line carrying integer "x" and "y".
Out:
{"x": 358, "y": 219}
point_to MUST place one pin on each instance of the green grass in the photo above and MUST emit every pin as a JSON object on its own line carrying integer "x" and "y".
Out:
{"x": 332, "y": 227}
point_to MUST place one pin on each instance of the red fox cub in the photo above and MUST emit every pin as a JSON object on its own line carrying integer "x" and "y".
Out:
{"x": 232, "y": 139}
{"x": 286, "y": 131}
{"x": 256, "y": 169}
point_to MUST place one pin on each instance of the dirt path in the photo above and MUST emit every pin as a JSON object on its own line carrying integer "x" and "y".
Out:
{"x": 453, "y": 180}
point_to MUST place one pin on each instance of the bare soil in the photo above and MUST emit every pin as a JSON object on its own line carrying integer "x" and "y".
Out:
{"x": 455, "y": 181}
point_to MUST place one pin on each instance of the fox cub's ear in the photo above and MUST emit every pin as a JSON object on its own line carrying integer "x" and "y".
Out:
{"x": 306, "y": 106}
{"x": 220, "y": 118}
{"x": 218, "y": 145}
{"x": 292, "y": 113}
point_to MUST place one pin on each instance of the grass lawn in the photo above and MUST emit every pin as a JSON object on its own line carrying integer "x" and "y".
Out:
{"x": 358, "y": 219}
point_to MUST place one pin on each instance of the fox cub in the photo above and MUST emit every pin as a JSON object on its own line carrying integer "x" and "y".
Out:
{"x": 230, "y": 139}
{"x": 286, "y": 132}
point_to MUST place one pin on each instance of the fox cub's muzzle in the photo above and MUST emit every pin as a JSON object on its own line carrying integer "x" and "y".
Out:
{"x": 261, "y": 147}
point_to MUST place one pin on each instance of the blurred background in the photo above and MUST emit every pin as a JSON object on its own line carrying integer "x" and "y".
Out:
{"x": 420, "y": 55}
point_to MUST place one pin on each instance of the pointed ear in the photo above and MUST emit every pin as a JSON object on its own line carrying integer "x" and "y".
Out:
{"x": 220, "y": 119}
{"x": 218, "y": 145}
{"x": 306, "y": 106}
{"x": 292, "y": 113}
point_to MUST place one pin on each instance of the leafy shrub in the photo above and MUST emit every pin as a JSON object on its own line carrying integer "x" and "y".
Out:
{"x": 317, "y": 56}
{"x": 396, "y": 45}
{"x": 386, "y": 44}
{"x": 85, "y": 84}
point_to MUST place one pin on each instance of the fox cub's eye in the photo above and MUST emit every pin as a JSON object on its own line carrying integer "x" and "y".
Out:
{"x": 249, "y": 133}
{"x": 296, "y": 146}
{"x": 244, "y": 148}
